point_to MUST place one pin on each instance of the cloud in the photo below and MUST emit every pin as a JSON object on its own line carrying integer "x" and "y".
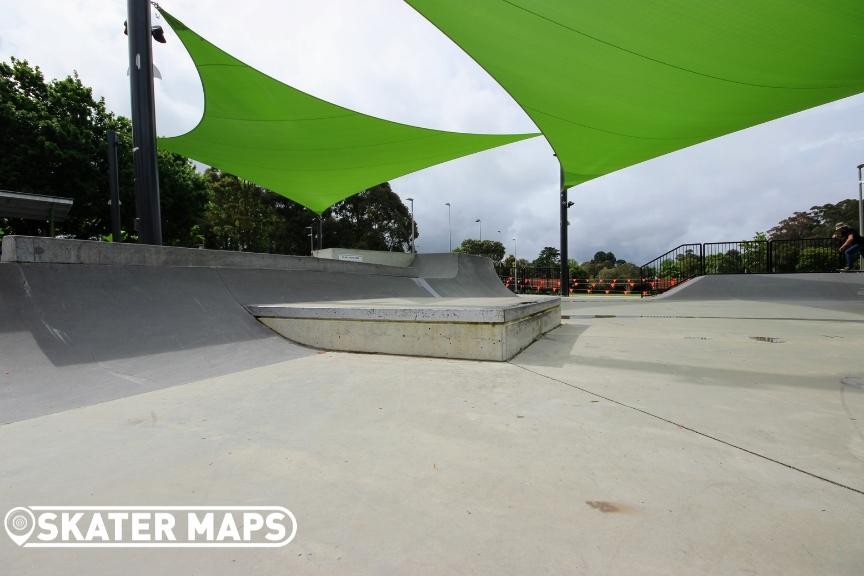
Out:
{"x": 381, "y": 58}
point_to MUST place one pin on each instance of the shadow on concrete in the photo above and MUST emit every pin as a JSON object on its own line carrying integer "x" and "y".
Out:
{"x": 555, "y": 350}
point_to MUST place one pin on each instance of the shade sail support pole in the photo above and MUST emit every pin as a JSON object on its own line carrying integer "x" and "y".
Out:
{"x": 148, "y": 218}
{"x": 565, "y": 266}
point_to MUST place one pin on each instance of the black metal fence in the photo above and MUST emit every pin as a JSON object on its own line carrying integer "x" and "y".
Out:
{"x": 688, "y": 261}
{"x": 747, "y": 257}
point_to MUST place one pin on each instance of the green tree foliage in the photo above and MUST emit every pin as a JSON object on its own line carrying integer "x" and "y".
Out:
{"x": 817, "y": 260}
{"x": 728, "y": 263}
{"x": 754, "y": 254}
{"x": 607, "y": 258}
{"x": 624, "y": 271}
{"x": 818, "y": 222}
{"x": 799, "y": 225}
{"x": 54, "y": 143}
{"x": 510, "y": 261}
{"x": 244, "y": 216}
{"x": 576, "y": 269}
{"x": 549, "y": 257}
{"x": 829, "y": 215}
{"x": 240, "y": 216}
{"x": 492, "y": 249}
{"x": 684, "y": 265}
{"x": 375, "y": 219}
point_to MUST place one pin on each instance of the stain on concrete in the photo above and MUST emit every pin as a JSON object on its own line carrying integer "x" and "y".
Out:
{"x": 769, "y": 339}
{"x": 607, "y": 507}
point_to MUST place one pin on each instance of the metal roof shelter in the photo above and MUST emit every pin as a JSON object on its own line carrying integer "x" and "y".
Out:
{"x": 34, "y": 207}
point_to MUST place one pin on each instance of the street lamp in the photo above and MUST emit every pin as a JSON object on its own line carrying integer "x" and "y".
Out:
{"x": 860, "y": 195}
{"x": 481, "y": 228}
{"x": 413, "y": 245}
{"x": 449, "y": 228}
{"x": 515, "y": 266}
{"x": 860, "y": 211}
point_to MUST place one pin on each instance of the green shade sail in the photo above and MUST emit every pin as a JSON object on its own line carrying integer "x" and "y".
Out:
{"x": 614, "y": 83}
{"x": 306, "y": 149}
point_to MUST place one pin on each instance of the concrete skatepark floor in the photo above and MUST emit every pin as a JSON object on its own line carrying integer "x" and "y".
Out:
{"x": 665, "y": 436}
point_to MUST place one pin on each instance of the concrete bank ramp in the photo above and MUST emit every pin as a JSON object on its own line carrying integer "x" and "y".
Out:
{"x": 85, "y": 322}
{"x": 843, "y": 289}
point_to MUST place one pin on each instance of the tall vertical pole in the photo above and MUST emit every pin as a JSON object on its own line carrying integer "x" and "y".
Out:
{"x": 320, "y": 231}
{"x": 114, "y": 186}
{"x": 413, "y": 231}
{"x": 565, "y": 265}
{"x": 861, "y": 211}
{"x": 449, "y": 229}
{"x": 516, "y": 265}
{"x": 148, "y": 212}
{"x": 861, "y": 199}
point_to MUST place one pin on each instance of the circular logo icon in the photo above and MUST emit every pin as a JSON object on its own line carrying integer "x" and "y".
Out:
{"x": 19, "y": 523}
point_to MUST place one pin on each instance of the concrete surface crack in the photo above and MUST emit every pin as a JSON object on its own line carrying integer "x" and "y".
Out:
{"x": 689, "y": 429}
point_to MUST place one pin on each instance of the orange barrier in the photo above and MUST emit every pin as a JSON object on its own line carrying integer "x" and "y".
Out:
{"x": 533, "y": 285}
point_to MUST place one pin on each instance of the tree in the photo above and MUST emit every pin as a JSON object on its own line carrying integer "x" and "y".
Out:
{"x": 818, "y": 222}
{"x": 607, "y": 258}
{"x": 576, "y": 270}
{"x": 375, "y": 219}
{"x": 492, "y": 249}
{"x": 818, "y": 260}
{"x": 828, "y": 215}
{"x": 240, "y": 215}
{"x": 244, "y": 216}
{"x": 754, "y": 254}
{"x": 549, "y": 257}
{"x": 54, "y": 143}
{"x": 799, "y": 225}
{"x": 510, "y": 261}
{"x": 625, "y": 271}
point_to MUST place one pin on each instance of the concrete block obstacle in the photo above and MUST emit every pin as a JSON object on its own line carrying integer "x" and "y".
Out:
{"x": 473, "y": 329}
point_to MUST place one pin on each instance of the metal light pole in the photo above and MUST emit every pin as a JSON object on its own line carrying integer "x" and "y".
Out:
{"x": 565, "y": 264}
{"x": 481, "y": 228}
{"x": 311, "y": 241}
{"x": 320, "y": 232}
{"x": 449, "y": 229}
{"x": 860, "y": 195}
{"x": 413, "y": 245}
{"x": 515, "y": 266}
{"x": 147, "y": 208}
{"x": 860, "y": 211}
{"x": 114, "y": 185}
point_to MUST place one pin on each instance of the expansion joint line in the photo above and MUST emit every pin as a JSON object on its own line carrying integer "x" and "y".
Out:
{"x": 689, "y": 429}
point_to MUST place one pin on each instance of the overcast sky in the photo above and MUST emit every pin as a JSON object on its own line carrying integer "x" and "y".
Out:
{"x": 381, "y": 58}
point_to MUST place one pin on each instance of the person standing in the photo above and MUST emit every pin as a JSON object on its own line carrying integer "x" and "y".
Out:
{"x": 853, "y": 244}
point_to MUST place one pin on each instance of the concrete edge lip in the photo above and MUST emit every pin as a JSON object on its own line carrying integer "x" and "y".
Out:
{"x": 38, "y": 250}
{"x": 414, "y": 312}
